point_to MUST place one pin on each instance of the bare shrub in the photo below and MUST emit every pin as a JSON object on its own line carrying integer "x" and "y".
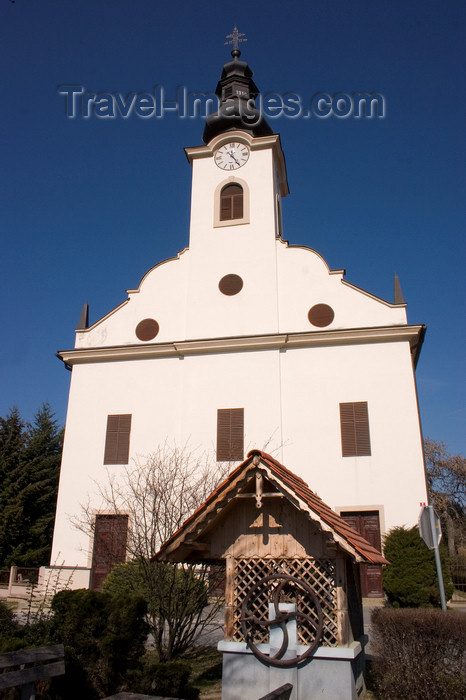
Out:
{"x": 419, "y": 653}
{"x": 157, "y": 494}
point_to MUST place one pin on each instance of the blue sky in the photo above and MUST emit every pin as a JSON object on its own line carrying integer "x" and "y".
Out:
{"x": 89, "y": 205}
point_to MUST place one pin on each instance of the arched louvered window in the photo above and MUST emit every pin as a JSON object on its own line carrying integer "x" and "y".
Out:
{"x": 231, "y": 202}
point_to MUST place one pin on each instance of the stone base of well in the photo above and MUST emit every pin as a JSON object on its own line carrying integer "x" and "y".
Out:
{"x": 331, "y": 673}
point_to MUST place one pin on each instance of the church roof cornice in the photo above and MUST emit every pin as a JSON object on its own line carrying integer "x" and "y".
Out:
{"x": 392, "y": 305}
{"x": 86, "y": 328}
{"x": 414, "y": 334}
{"x": 342, "y": 273}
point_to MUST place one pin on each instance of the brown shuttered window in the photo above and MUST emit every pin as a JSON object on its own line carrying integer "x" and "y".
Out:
{"x": 230, "y": 434}
{"x": 355, "y": 437}
{"x": 117, "y": 440}
{"x": 231, "y": 203}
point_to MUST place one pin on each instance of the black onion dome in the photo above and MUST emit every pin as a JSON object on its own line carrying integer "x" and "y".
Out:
{"x": 237, "y": 92}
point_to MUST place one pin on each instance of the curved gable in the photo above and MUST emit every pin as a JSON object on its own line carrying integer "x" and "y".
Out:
{"x": 305, "y": 281}
{"x": 161, "y": 297}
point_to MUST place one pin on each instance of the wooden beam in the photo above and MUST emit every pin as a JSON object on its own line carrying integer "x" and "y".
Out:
{"x": 344, "y": 632}
{"x": 31, "y": 675}
{"x": 193, "y": 544}
{"x": 31, "y": 656}
{"x": 229, "y": 597}
{"x": 259, "y": 489}
{"x": 271, "y": 494}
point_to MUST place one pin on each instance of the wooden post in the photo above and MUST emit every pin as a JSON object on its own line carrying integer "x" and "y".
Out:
{"x": 344, "y": 631}
{"x": 259, "y": 489}
{"x": 229, "y": 597}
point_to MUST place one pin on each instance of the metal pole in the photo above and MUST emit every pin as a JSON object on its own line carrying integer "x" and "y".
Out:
{"x": 435, "y": 540}
{"x": 12, "y": 579}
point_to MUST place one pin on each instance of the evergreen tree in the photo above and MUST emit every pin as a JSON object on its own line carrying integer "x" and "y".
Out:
{"x": 12, "y": 443}
{"x": 411, "y": 578}
{"x": 42, "y": 456}
{"x": 30, "y": 484}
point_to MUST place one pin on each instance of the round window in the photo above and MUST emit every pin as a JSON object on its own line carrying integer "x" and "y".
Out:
{"x": 321, "y": 315}
{"x": 147, "y": 329}
{"x": 230, "y": 285}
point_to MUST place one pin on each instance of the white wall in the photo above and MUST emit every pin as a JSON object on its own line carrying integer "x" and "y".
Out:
{"x": 314, "y": 384}
{"x": 291, "y": 404}
{"x": 290, "y": 397}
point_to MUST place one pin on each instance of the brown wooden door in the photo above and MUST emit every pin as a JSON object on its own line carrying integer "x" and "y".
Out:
{"x": 109, "y": 546}
{"x": 367, "y": 523}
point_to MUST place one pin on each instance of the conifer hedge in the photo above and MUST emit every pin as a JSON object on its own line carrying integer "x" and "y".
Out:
{"x": 411, "y": 579}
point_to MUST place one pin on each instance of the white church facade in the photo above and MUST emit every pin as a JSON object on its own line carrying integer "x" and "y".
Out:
{"x": 243, "y": 341}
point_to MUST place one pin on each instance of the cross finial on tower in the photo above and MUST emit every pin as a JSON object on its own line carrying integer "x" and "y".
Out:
{"x": 235, "y": 38}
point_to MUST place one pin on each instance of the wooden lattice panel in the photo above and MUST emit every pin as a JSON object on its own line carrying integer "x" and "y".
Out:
{"x": 318, "y": 574}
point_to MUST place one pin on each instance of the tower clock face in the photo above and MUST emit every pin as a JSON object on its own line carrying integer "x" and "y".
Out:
{"x": 232, "y": 156}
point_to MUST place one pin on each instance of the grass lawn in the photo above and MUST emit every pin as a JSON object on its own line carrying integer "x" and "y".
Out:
{"x": 206, "y": 664}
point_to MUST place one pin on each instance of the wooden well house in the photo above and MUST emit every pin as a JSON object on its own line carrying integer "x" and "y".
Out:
{"x": 263, "y": 520}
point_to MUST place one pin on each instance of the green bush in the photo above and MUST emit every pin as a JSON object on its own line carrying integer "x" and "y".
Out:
{"x": 419, "y": 654}
{"x": 14, "y": 636}
{"x": 167, "y": 679}
{"x": 7, "y": 620}
{"x": 125, "y": 579}
{"x": 9, "y": 630}
{"x": 104, "y": 639}
{"x": 411, "y": 578}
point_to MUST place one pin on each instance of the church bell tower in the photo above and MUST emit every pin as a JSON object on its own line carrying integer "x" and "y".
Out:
{"x": 238, "y": 181}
